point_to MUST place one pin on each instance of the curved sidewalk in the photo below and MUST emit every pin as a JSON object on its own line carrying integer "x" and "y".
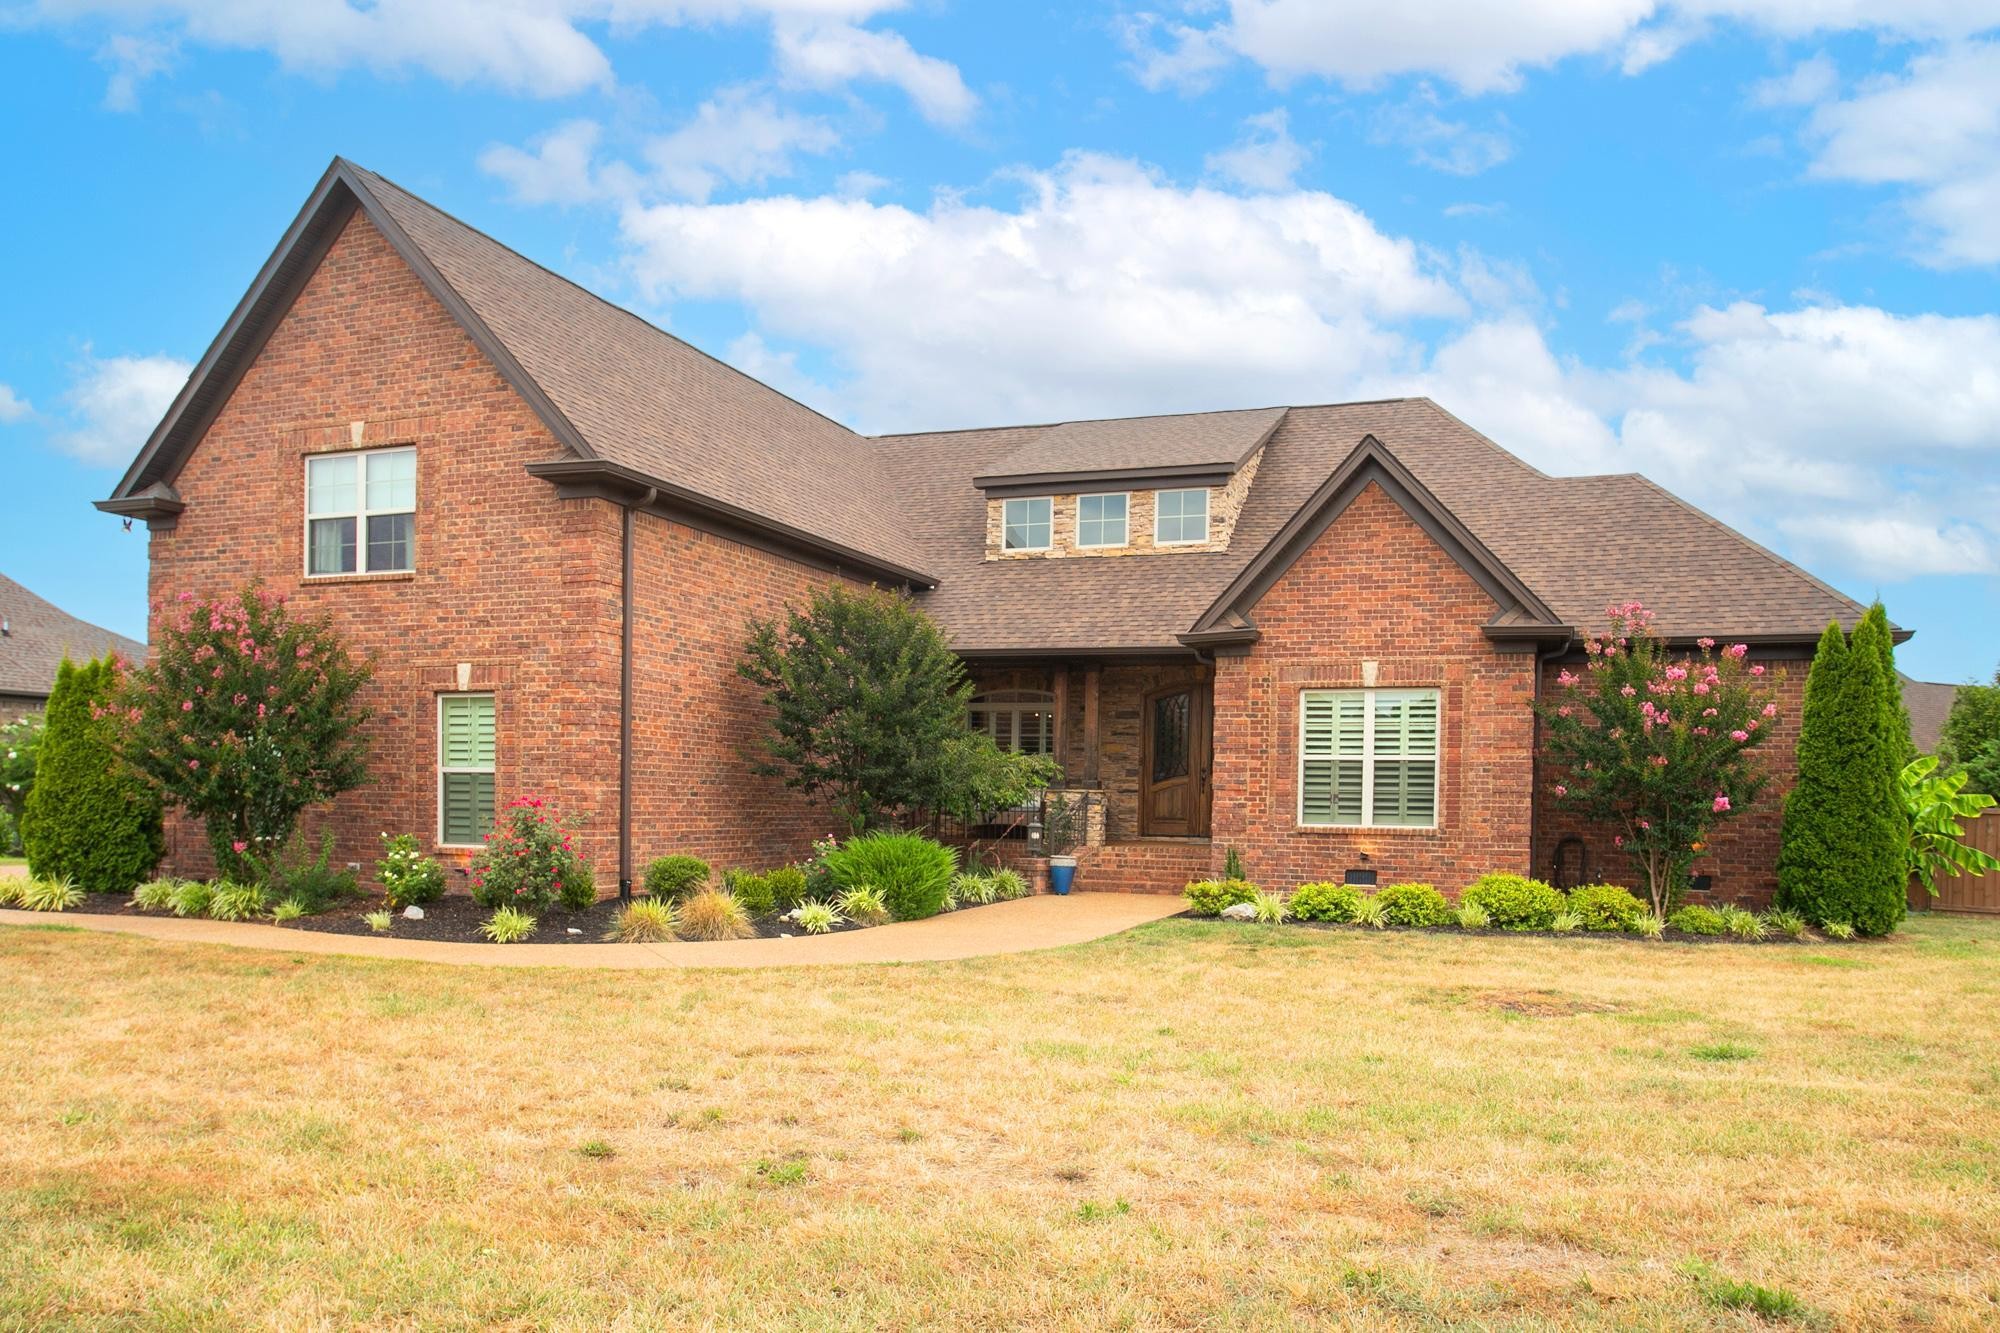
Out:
{"x": 1041, "y": 922}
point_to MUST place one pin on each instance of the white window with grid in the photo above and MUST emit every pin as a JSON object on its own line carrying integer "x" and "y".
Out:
{"x": 361, "y": 512}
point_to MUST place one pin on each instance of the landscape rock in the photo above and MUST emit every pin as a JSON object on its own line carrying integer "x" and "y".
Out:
{"x": 1239, "y": 912}
{"x": 413, "y": 913}
{"x": 574, "y": 931}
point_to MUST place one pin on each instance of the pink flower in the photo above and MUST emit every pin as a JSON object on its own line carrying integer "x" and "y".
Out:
{"x": 1739, "y": 735}
{"x": 1617, "y": 840}
{"x": 1757, "y": 670}
{"x": 187, "y": 705}
{"x": 194, "y": 763}
{"x": 1770, "y": 710}
{"x": 1705, "y": 643}
{"x": 239, "y": 846}
{"x": 1561, "y": 790}
{"x": 1567, "y": 677}
{"x": 1738, "y": 649}
{"x": 1721, "y": 803}
{"x": 1627, "y": 690}
{"x": 1645, "y": 824}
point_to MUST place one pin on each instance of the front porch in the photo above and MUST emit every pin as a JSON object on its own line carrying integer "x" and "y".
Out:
{"x": 1135, "y": 744}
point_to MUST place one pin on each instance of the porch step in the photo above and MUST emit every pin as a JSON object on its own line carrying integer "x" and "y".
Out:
{"x": 1143, "y": 867}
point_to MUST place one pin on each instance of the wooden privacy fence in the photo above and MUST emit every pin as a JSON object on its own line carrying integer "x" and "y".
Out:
{"x": 1969, "y": 893}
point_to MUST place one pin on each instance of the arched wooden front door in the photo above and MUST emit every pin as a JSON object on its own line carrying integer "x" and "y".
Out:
{"x": 1174, "y": 763}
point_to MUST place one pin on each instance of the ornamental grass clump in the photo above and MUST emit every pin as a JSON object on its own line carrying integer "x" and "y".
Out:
{"x": 236, "y": 902}
{"x": 508, "y": 925}
{"x": 645, "y": 921}
{"x": 974, "y": 889}
{"x": 379, "y": 920}
{"x": 864, "y": 905}
{"x": 1369, "y": 912}
{"x": 156, "y": 895}
{"x": 817, "y": 918}
{"x": 1323, "y": 901}
{"x": 1471, "y": 916}
{"x": 530, "y": 861}
{"x": 1656, "y": 744}
{"x": 1414, "y": 905}
{"x": 1008, "y": 883}
{"x": 1740, "y": 924}
{"x": 1270, "y": 907}
{"x": 911, "y": 872}
{"x": 48, "y": 893}
{"x": 714, "y": 914}
{"x": 1515, "y": 902}
{"x": 192, "y": 898}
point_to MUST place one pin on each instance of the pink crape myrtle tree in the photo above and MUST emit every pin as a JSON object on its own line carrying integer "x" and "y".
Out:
{"x": 244, "y": 717}
{"x": 1658, "y": 745}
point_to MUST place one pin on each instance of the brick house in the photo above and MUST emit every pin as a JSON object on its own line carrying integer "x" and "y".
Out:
{"x": 550, "y": 522}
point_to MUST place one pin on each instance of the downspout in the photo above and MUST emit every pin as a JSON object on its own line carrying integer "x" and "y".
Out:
{"x": 625, "y": 702}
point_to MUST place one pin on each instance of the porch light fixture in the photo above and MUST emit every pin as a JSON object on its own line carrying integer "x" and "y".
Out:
{"x": 1035, "y": 837}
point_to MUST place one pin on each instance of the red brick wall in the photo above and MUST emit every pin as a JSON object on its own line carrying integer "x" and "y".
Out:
{"x": 520, "y": 586}
{"x": 1375, "y": 587}
{"x": 1742, "y": 858}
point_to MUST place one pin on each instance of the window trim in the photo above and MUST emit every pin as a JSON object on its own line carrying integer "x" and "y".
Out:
{"x": 360, "y": 514}
{"x": 1012, "y": 500}
{"x": 1207, "y": 516}
{"x": 1368, "y": 757}
{"x": 1014, "y": 703}
{"x": 1083, "y": 545}
{"x": 493, "y": 768}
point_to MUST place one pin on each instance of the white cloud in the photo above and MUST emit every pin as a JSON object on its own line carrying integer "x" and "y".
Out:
{"x": 13, "y": 407}
{"x": 1809, "y": 81}
{"x": 1266, "y": 157}
{"x": 830, "y": 55}
{"x": 115, "y": 402}
{"x": 133, "y": 60}
{"x": 1104, "y": 289}
{"x": 1452, "y": 146}
{"x": 737, "y": 137}
{"x": 1935, "y": 130}
{"x": 1481, "y": 47}
{"x": 555, "y": 168}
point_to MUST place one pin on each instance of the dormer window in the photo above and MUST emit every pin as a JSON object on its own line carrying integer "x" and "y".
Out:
{"x": 1180, "y": 518}
{"x": 1101, "y": 520}
{"x": 1028, "y": 524}
{"x": 361, "y": 512}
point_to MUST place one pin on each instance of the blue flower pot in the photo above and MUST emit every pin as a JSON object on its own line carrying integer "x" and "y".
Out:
{"x": 1060, "y": 876}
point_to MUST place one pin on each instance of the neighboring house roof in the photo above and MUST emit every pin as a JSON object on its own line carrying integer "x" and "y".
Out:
{"x": 40, "y": 634}
{"x": 638, "y": 410}
{"x": 1930, "y": 704}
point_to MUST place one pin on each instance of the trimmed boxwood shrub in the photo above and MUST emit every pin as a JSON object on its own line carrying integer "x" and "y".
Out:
{"x": 788, "y": 887}
{"x": 1414, "y": 905}
{"x": 87, "y": 817}
{"x": 1208, "y": 897}
{"x": 752, "y": 890}
{"x": 911, "y": 872}
{"x": 674, "y": 877}
{"x": 1515, "y": 902}
{"x": 1322, "y": 901}
{"x": 1606, "y": 907}
{"x": 1695, "y": 919}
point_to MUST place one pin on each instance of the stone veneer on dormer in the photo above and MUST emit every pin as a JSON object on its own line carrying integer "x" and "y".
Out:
{"x": 1224, "y": 504}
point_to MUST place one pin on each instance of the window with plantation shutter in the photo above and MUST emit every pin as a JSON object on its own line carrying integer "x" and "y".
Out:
{"x": 1368, "y": 758}
{"x": 466, "y": 748}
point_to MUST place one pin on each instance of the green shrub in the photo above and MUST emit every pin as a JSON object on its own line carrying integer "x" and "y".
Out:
{"x": 1650, "y": 927}
{"x": 1270, "y": 907}
{"x": 87, "y": 817}
{"x": 817, "y": 918}
{"x": 1607, "y": 907}
{"x": 236, "y": 902}
{"x": 788, "y": 887}
{"x": 752, "y": 890}
{"x": 1232, "y": 866}
{"x": 863, "y": 904}
{"x": 714, "y": 914}
{"x": 1515, "y": 902}
{"x": 155, "y": 895}
{"x": 974, "y": 888}
{"x": 1414, "y": 905}
{"x": 508, "y": 926}
{"x": 10, "y": 890}
{"x": 314, "y": 880}
{"x": 1741, "y": 924}
{"x": 1008, "y": 883}
{"x": 645, "y": 921}
{"x": 675, "y": 877}
{"x": 1209, "y": 896}
{"x": 1471, "y": 916}
{"x": 46, "y": 893}
{"x": 1369, "y": 912}
{"x": 1322, "y": 901}
{"x": 406, "y": 874}
{"x": 379, "y": 920}
{"x": 530, "y": 861}
{"x": 1694, "y": 919}
{"x": 192, "y": 898}
{"x": 911, "y": 872}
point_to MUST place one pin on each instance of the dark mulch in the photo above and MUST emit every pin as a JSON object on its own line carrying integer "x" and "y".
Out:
{"x": 454, "y": 918}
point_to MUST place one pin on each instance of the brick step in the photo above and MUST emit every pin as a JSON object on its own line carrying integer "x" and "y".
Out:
{"x": 1142, "y": 867}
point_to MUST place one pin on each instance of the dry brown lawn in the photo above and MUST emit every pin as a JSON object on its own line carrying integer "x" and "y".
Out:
{"x": 1194, "y": 1124}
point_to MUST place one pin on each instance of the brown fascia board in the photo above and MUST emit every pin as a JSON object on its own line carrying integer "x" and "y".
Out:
{"x": 1369, "y": 461}
{"x": 1099, "y": 656}
{"x": 278, "y": 283}
{"x": 594, "y": 478}
{"x": 159, "y": 504}
{"x": 1044, "y": 483}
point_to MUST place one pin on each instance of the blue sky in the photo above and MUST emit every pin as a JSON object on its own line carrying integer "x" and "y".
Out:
{"x": 1747, "y": 247}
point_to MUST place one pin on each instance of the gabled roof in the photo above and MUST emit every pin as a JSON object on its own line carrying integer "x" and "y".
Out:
{"x": 1930, "y": 704}
{"x": 1195, "y": 448}
{"x": 39, "y": 634}
{"x": 609, "y": 386}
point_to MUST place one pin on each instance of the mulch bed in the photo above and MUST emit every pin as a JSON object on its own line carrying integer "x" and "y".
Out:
{"x": 454, "y": 918}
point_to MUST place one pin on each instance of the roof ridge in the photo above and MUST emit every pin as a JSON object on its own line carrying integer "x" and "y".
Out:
{"x": 602, "y": 300}
{"x": 1756, "y": 546}
{"x": 1145, "y": 416}
{"x": 1478, "y": 434}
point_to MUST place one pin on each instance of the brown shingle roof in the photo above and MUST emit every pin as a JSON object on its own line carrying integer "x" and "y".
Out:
{"x": 1579, "y": 543}
{"x": 1930, "y": 704}
{"x": 40, "y": 633}
{"x": 1189, "y": 442}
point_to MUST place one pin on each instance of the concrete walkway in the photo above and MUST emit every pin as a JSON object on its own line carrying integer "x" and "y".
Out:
{"x": 1041, "y": 922}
